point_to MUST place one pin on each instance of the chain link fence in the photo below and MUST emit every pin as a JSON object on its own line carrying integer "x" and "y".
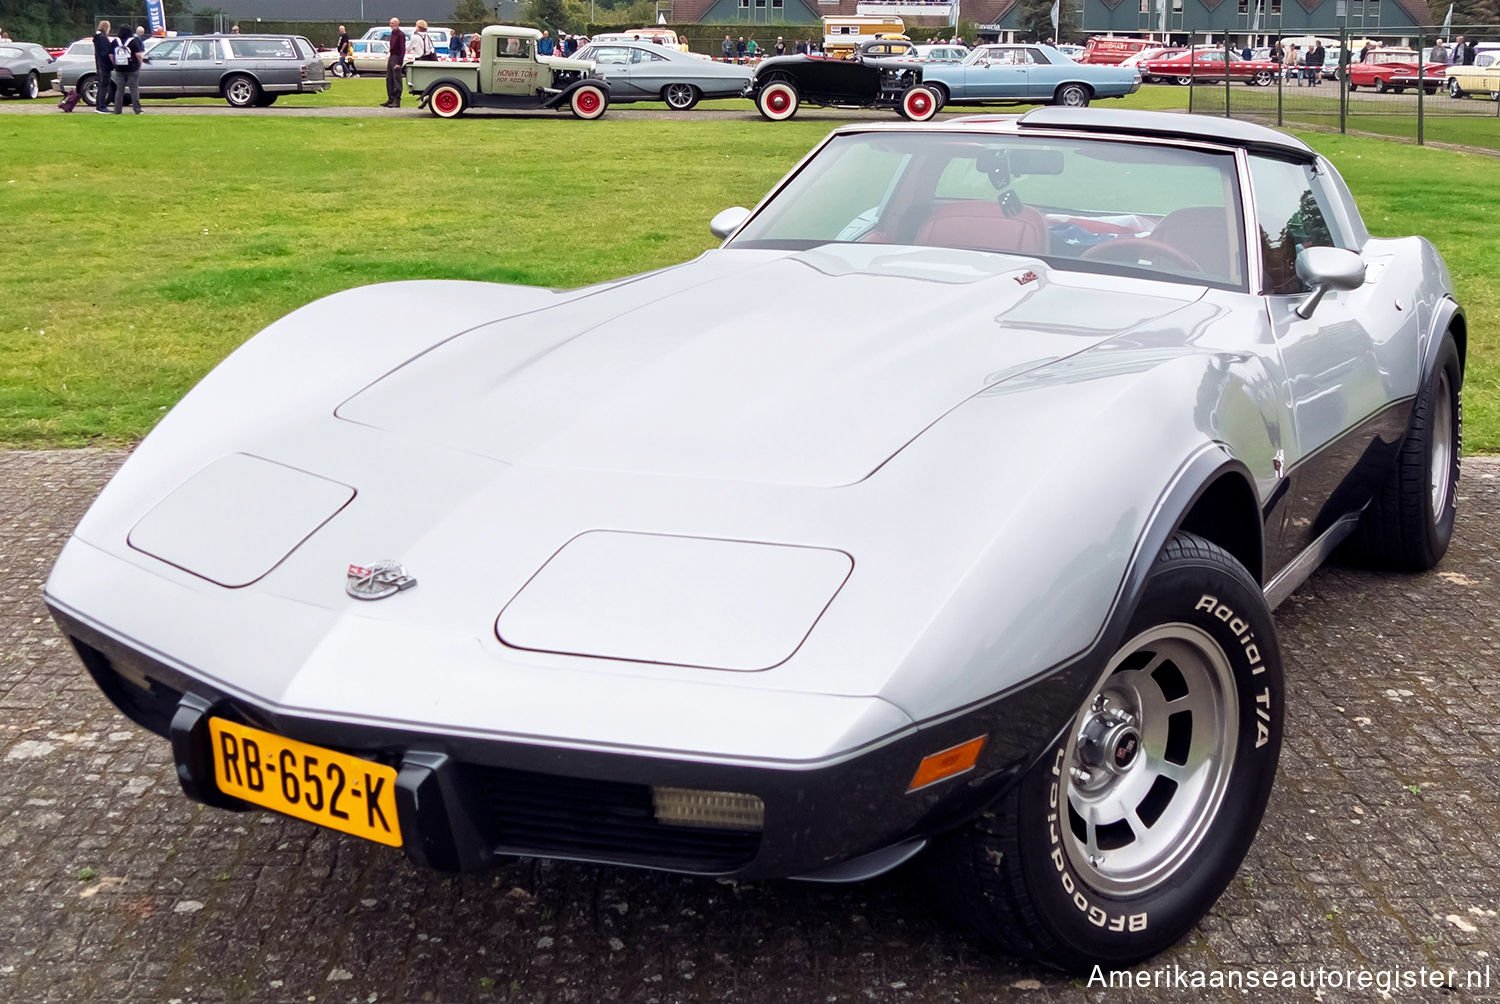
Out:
{"x": 1419, "y": 93}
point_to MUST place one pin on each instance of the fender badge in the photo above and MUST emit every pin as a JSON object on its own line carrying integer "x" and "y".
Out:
{"x": 1025, "y": 277}
{"x": 382, "y": 579}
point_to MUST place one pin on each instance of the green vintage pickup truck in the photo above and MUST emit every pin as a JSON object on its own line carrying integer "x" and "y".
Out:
{"x": 509, "y": 74}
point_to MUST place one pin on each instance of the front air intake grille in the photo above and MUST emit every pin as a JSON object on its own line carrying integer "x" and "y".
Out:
{"x": 547, "y": 815}
{"x": 150, "y": 706}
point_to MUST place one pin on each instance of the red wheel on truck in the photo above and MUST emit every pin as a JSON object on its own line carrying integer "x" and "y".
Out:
{"x": 447, "y": 102}
{"x": 589, "y": 102}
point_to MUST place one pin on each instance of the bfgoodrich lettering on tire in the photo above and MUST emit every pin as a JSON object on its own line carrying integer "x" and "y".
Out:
{"x": 1409, "y": 522}
{"x": 1127, "y": 830}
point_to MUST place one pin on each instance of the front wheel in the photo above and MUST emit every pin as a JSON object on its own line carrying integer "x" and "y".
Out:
{"x": 777, "y": 101}
{"x": 241, "y": 91}
{"x": 919, "y": 103}
{"x": 1185, "y": 81}
{"x": 1353, "y": 86}
{"x": 680, "y": 97}
{"x": 32, "y": 87}
{"x": 588, "y": 102}
{"x": 1262, "y": 78}
{"x": 338, "y": 70}
{"x": 1072, "y": 96}
{"x": 266, "y": 100}
{"x": 1381, "y": 86}
{"x": 1454, "y": 91}
{"x": 88, "y": 89}
{"x": 1122, "y": 836}
{"x": 1409, "y": 522}
{"x": 447, "y": 102}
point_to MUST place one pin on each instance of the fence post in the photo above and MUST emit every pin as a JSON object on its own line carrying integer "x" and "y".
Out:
{"x": 1343, "y": 78}
{"x": 1280, "y": 80}
{"x": 1421, "y": 83}
{"x": 1227, "y": 113}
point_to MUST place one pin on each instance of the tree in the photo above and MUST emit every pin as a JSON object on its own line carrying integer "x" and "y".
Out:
{"x": 1035, "y": 20}
{"x": 549, "y": 14}
{"x": 473, "y": 10}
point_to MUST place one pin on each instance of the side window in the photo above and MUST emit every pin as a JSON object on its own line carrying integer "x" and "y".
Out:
{"x": 171, "y": 49}
{"x": 1290, "y": 215}
{"x": 612, "y": 55}
{"x": 201, "y": 48}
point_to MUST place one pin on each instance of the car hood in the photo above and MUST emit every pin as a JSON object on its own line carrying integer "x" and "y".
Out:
{"x": 809, "y": 368}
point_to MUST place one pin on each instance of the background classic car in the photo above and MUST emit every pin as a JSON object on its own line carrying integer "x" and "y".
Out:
{"x": 1481, "y": 77}
{"x": 826, "y": 629}
{"x": 369, "y": 56}
{"x": 645, "y": 71}
{"x": 1195, "y": 65}
{"x": 1027, "y": 74}
{"x": 510, "y": 73}
{"x": 26, "y": 69}
{"x": 1393, "y": 70}
{"x": 781, "y": 84}
{"x": 245, "y": 70}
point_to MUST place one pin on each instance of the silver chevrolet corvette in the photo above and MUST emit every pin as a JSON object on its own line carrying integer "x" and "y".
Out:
{"x": 958, "y": 544}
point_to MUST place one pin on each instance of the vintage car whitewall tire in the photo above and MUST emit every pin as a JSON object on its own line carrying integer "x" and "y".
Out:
{"x": 588, "y": 102}
{"x": 337, "y": 69}
{"x": 777, "y": 101}
{"x": 919, "y": 103}
{"x": 680, "y": 97}
{"x": 1182, "y": 732}
{"x": 1409, "y": 523}
{"x": 241, "y": 91}
{"x": 1072, "y": 95}
{"x": 447, "y": 101}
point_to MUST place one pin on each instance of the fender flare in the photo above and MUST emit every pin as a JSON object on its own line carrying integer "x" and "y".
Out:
{"x": 566, "y": 94}
{"x": 1448, "y": 311}
{"x": 440, "y": 82}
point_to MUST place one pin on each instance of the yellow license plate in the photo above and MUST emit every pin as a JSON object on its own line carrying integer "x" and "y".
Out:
{"x": 331, "y": 789}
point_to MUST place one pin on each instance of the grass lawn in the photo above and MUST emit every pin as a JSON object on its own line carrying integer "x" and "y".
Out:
{"x": 160, "y": 243}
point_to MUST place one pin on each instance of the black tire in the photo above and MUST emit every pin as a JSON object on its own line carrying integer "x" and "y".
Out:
{"x": 1072, "y": 96}
{"x": 1381, "y": 86}
{"x": 1409, "y": 523}
{"x": 680, "y": 97}
{"x": 1353, "y": 86}
{"x": 1184, "y": 81}
{"x": 1454, "y": 91}
{"x": 241, "y": 91}
{"x": 266, "y": 100}
{"x": 1025, "y": 881}
{"x": 31, "y": 87}
{"x": 88, "y": 89}
{"x": 778, "y": 100}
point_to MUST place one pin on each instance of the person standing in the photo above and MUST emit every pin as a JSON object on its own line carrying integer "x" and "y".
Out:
{"x": 128, "y": 74}
{"x": 104, "y": 62}
{"x": 395, "y": 65}
{"x": 1313, "y": 68}
{"x": 422, "y": 46}
{"x": 780, "y": 46}
{"x": 728, "y": 48}
{"x": 740, "y": 49}
{"x": 346, "y": 52}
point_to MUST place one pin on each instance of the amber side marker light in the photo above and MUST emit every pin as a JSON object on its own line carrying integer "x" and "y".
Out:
{"x": 945, "y": 763}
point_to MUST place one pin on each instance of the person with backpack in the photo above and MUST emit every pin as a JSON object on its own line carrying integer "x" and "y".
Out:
{"x": 103, "y": 65}
{"x": 128, "y": 54}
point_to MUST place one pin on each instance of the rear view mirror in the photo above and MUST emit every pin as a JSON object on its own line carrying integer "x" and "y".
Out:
{"x": 728, "y": 221}
{"x": 1324, "y": 269}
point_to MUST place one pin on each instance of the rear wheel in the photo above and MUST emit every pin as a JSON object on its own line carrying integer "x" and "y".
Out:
{"x": 1128, "y": 829}
{"x": 919, "y": 103}
{"x": 680, "y": 97}
{"x": 589, "y": 102}
{"x": 777, "y": 101}
{"x": 88, "y": 89}
{"x": 1408, "y": 525}
{"x": 338, "y": 70}
{"x": 447, "y": 102}
{"x": 241, "y": 91}
{"x": 1353, "y": 86}
{"x": 32, "y": 87}
{"x": 1184, "y": 81}
{"x": 266, "y": 100}
{"x": 1262, "y": 78}
{"x": 1072, "y": 95}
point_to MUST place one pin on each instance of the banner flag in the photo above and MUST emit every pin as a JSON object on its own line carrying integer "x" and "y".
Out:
{"x": 1055, "y": 32}
{"x": 156, "y": 17}
{"x": 1448, "y": 23}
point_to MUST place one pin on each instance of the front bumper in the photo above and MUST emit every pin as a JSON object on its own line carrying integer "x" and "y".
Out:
{"x": 464, "y": 802}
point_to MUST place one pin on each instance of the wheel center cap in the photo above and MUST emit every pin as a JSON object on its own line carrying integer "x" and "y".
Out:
{"x": 1124, "y": 749}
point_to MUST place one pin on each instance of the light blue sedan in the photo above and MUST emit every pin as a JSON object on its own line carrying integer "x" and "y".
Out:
{"x": 1027, "y": 74}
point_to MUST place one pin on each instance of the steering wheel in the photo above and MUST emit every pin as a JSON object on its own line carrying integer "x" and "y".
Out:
{"x": 1138, "y": 251}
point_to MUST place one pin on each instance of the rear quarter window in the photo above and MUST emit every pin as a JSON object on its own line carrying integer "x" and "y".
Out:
{"x": 262, "y": 48}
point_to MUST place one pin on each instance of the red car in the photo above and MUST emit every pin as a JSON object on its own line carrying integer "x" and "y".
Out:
{"x": 1394, "y": 70}
{"x": 1210, "y": 64}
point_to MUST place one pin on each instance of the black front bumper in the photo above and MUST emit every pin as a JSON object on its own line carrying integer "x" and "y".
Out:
{"x": 464, "y": 802}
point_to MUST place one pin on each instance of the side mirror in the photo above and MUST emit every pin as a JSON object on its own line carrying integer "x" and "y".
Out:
{"x": 1324, "y": 269}
{"x": 728, "y": 221}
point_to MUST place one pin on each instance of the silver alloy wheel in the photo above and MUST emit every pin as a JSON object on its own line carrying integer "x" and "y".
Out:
{"x": 1441, "y": 461}
{"x": 240, "y": 92}
{"x": 679, "y": 97}
{"x": 1151, "y": 755}
{"x": 33, "y": 88}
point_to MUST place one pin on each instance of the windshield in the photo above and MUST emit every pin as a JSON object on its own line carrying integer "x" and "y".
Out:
{"x": 1089, "y": 205}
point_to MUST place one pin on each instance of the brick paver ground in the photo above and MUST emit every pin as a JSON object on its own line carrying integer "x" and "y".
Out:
{"x": 1378, "y": 851}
